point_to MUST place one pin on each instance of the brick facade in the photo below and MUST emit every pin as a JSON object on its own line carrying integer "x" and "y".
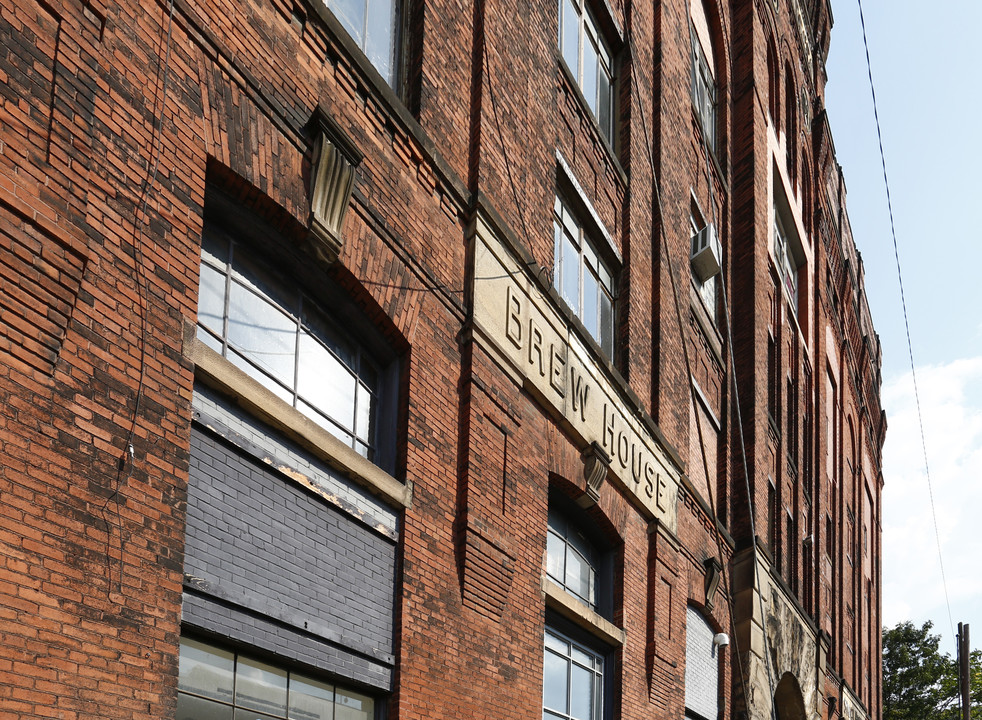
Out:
{"x": 173, "y": 465}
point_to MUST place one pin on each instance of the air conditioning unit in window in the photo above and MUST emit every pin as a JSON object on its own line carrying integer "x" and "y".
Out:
{"x": 706, "y": 254}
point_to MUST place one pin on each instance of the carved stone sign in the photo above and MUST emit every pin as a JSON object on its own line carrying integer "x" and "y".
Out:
{"x": 519, "y": 323}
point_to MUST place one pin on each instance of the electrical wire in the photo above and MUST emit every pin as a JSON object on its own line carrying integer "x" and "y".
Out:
{"x": 903, "y": 304}
{"x": 127, "y": 456}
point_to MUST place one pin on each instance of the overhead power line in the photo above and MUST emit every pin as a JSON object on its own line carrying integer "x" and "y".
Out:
{"x": 903, "y": 303}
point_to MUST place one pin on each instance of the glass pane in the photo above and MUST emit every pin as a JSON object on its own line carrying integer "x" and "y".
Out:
{"x": 582, "y": 657}
{"x": 249, "y": 369}
{"x": 349, "y": 705}
{"x": 571, "y": 274}
{"x": 211, "y": 299}
{"x": 554, "y": 681}
{"x": 603, "y": 104}
{"x": 325, "y": 422}
{"x": 557, "y": 237}
{"x": 259, "y": 686}
{"x": 325, "y": 383}
{"x": 317, "y": 325}
{"x": 572, "y": 229}
{"x": 351, "y": 13}
{"x": 262, "y": 332}
{"x": 579, "y": 576}
{"x": 569, "y": 40}
{"x": 194, "y": 708}
{"x": 206, "y": 670}
{"x": 581, "y": 693}
{"x": 378, "y": 44}
{"x": 214, "y": 249}
{"x": 310, "y": 699}
{"x": 556, "y": 643}
{"x": 365, "y": 408}
{"x": 555, "y": 557}
{"x": 241, "y": 714}
{"x": 589, "y": 84}
{"x": 607, "y": 324}
{"x": 590, "y": 314}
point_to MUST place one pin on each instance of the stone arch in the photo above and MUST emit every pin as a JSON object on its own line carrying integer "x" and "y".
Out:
{"x": 789, "y": 703}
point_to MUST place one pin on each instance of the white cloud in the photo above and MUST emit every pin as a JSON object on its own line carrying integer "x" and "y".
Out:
{"x": 951, "y": 408}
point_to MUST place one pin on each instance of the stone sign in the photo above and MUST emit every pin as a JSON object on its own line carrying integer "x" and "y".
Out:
{"x": 521, "y": 325}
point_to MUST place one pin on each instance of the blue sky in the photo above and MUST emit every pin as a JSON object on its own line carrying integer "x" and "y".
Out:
{"x": 928, "y": 97}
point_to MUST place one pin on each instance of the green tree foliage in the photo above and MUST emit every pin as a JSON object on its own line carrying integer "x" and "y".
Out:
{"x": 921, "y": 683}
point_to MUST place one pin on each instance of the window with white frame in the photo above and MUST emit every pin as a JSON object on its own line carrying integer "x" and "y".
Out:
{"x": 581, "y": 276}
{"x": 588, "y": 58}
{"x": 374, "y": 26}
{"x": 703, "y": 73}
{"x": 572, "y": 679}
{"x": 287, "y": 340}
{"x": 218, "y": 684}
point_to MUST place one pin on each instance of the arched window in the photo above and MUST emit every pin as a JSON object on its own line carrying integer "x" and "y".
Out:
{"x": 773, "y": 85}
{"x": 576, "y": 677}
{"x": 701, "y": 668}
{"x": 703, "y": 72}
{"x": 791, "y": 125}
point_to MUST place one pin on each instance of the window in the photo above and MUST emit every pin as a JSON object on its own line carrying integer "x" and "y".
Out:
{"x": 284, "y": 339}
{"x": 589, "y": 60}
{"x": 571, "y": 560}
{"x": 374, "y": 26}
{"x": 214, "y": 684}
{"x": 703, "y": 73}
{"x": 572, "y": 679}
{"x": 575, "y": 683}
{"x": 582, "y": 278}
{"x": 701, "y": 667}
{"x": 787, "y": 255}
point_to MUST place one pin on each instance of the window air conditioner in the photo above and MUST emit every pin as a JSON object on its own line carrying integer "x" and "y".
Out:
{"x": 706, "y": 253}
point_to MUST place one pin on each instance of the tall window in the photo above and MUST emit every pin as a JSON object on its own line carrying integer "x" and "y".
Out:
{"x": 582, "y": 278}
{"x": 574, "y": 664}
{"x": 785, "y": 256}
{"x": 588, "y": 58}
{"x": 284, "y": 339}
{"x": 216, "y": 684}
{"x": 703, "y": 73}
{"x": 374, "y": 26}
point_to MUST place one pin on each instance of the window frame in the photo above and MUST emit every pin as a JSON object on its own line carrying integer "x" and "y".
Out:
{"x": 570, "y": 231}
{"x": 788, "y": 266}
{"x": 391, "y": 75}
{"x": 589, "y": 31}
{"x": 704, "y": 91}
{"x": 599, "y": 672}
{"x": 284, "y": 669}
{"x": 374, "y": 367}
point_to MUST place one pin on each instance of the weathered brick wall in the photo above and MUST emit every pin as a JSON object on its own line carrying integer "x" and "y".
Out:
{"x": 103, "y": 176}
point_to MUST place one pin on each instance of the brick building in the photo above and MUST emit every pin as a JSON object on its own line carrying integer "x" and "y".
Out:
{"x": 431, "y": 359}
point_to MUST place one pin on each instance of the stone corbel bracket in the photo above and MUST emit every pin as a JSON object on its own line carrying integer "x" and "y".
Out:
{"x": 332, "y": 178}
{"x": 596, "y": 463}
